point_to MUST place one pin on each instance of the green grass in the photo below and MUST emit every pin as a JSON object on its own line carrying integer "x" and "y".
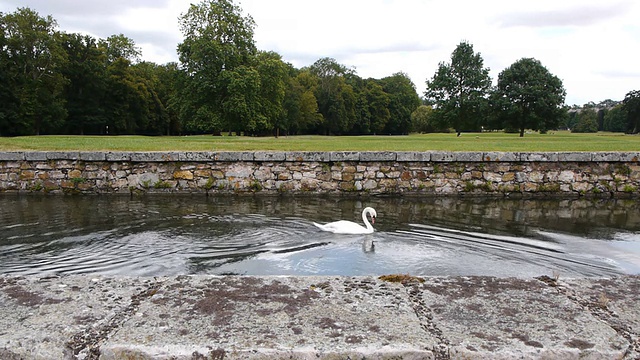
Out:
{"x": 555, "y": 141}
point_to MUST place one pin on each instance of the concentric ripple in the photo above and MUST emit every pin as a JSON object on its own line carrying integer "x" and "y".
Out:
{"x": 156, "y": 236}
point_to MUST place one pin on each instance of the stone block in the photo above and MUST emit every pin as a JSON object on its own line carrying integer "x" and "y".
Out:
{"x": 606, "y": 156}
{"x": 539, "y": 157}
{"x": 197, "y": 156}
{"x": 411, "y": 156}
{"x": 233, "y": 156}
{"x": 63, "y": 155}
{"x": 308, "y": 156}
{"x": 269, "y": 156}
{"x": 92, "y": 156}
{"x": 118, "y": 156}
{"x": 630, "y": 157}
{"x": 35, "y": 156}
{"x": 501, "y": 156}
{"x": 377, "y": 156}
{"x": 469, "y": 156}
{"x": 443, "y": 156}
{"x": 183, "y": 174}
{"x": 574, "y": 156}
{"x": 344, "y": 156}
{"x": 11, "y": 156}
{"x": 155, "y": 156}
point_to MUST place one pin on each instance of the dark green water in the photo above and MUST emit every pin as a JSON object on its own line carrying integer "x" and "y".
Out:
{"x": 170, "y": 235}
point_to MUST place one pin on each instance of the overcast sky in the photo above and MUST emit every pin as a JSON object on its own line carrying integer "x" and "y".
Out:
{"x": 593, "y": 46}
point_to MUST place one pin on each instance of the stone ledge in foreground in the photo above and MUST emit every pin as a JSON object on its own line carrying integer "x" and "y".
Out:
{"x": 247, "y": 317}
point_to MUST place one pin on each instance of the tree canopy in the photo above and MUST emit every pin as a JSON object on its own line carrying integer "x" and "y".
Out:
{"x": 68, "y": 83}
{"x": 529, "y": 96}
{"x": 631, "y": 105}
{"x": 459, "y": 89}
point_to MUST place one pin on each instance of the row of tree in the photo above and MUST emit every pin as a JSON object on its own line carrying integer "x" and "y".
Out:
{"x": 527, "y": 96}
{"x": 60, "y": 83}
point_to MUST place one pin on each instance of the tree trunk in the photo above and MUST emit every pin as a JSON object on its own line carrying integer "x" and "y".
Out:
{"x": 521, "y": 132}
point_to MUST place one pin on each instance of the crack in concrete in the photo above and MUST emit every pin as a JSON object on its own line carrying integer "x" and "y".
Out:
{"x": 602, "y": 312}
{"x": 86, "y": 344}
{"x": 423, "y": 312}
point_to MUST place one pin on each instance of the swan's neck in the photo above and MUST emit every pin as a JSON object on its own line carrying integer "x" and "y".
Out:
{"x": 366, "y": 221}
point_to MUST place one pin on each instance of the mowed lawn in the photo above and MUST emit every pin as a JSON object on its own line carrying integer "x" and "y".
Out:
{"x": 491, "y": 141}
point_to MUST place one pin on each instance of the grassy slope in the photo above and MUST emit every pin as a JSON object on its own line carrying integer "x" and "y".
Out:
{"x": 556, "y": 141}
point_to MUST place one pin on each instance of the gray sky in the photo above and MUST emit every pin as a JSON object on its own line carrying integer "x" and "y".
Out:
{"x": 593, "y": 46}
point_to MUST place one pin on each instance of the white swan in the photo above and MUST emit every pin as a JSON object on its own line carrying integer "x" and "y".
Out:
{"x": 349, "y": 227}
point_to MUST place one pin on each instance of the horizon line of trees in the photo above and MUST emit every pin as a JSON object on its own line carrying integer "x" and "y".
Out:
{"x": 68, "y": 83}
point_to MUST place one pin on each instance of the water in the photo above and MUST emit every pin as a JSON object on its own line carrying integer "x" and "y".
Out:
{"x": 171, "y": 235}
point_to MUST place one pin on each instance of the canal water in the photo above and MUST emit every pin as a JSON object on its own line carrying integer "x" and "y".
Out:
{"x": 172, "y": 235}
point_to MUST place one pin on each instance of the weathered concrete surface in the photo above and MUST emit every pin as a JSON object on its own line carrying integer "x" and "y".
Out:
{"x": 210, "y": 317}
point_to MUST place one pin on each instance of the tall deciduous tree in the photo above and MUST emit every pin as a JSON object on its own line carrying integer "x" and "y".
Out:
{"x": 336, "y": 98}
{"x": 218, "y": 39}
{"x": 459, "y": 89}
{"x": 30, "y": 62}
{"x": 587, "y": 121}
{"x": 85, "y": 89}
{"x": 615, "y": 119}
{"x": 301, "y": 105}
{"x": 631, "y": 105}
{"x": 273, "y": 82}
{"x": 529, "y": 96}
{"x": 120, "y": 47}
{"x": 404, "y": 100}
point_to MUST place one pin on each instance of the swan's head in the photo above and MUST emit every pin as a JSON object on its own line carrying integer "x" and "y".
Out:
{"x": 372, "y": 213}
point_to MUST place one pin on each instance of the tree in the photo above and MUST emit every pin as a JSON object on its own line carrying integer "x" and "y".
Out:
{"x": 422, "y": 120}
{"x": 217, "y": 39}
{"x": 120, "y": 47}
{"x": 30, "y": 60}
{"x": 85, "y": 89}
{"x": 459, "y": 89}
{"x": 336, "y": 98}
{"x": 587, "y": 121}
{"x": 376, "y": 107}
{"x": 300, "y": 104}
{"x": 529, "y": 96}
{"x": 631, "y": 105}
{"x": 404, "y": 100}
{"x": 273, "y": 82}
{"x": 241, "y": 106}
{"x": 615, "y": 119}
{"x": 149, "y": 77}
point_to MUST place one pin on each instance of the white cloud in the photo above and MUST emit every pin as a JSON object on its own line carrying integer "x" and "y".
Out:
{"x": 591, "y": 45}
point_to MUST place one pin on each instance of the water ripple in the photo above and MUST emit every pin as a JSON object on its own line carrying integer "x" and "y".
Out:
{"x": 154, "y": 237}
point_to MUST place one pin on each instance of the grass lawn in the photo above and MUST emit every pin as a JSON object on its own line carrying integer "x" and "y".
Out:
{"x": 494, "y": 141}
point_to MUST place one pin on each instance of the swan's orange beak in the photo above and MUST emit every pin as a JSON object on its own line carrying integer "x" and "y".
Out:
{"x": 373, "y": 220}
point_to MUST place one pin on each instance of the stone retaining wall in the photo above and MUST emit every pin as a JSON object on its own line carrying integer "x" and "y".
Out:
{"x": 415, "y": 173}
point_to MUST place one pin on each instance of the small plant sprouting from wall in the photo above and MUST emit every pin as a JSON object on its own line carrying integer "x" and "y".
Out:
{"x": 549, "y": 188}
{"x": 146, "y": 184}
{"x": 623, "y": 170}
{"x": 209, "y": 184}
{"x": 255, "y": 186}
{"x": 629, "y": 189}
{"x": 469, "y": 186}
{"x": 78, "y": 180}
{"x": 162, "y": 185}
{"x": 607, "y": 186}
{"x": 37, "y": 186}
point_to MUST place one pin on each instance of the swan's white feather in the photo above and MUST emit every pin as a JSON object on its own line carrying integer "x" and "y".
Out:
{"x": 344, "y": 227}
{"x": 349, "y": 227}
